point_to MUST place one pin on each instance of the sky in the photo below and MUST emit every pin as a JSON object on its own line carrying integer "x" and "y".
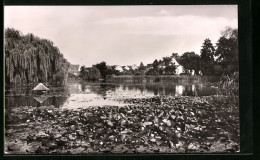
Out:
{"x": 123, "y": 35}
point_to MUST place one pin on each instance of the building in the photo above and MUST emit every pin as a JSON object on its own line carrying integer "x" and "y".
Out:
{"x": 134, "y": 67}
{"x": 119, "y": 68}
{"x": 126, "y": 68}
{"x": 179, "y": 68}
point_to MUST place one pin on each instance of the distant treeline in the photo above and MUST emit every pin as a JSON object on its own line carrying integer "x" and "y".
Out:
{"x": 213, "y": 60}
{"x": 30, "y": 59}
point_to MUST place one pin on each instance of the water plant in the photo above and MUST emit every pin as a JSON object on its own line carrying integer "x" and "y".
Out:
{"x": 229, "y": 86}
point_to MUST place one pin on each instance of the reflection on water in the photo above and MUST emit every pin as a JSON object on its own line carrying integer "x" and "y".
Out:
{"x": 179, "y": 90}
{"x": 83, "y": 95}
{"x": 86, "y": 100}
{"x": 40, "y": 99}
{"x": 16, "y": 101}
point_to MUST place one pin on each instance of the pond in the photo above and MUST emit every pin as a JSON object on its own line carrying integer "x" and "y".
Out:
{"x": 77, "y": 95}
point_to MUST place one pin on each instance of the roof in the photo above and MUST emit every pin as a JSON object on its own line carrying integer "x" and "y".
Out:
{"x": 119, "y": 68}
{"x": 175, "y": 62}
{"x": 126, "y": 67}
{"x": 41, "y": 87}
{"x": 134, "y": 67}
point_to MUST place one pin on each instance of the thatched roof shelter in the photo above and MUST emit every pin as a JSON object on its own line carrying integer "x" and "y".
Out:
{"x": 41, "y": 87}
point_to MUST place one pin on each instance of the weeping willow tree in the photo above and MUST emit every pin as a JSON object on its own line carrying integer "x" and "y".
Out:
{"x": 30, "y": 59}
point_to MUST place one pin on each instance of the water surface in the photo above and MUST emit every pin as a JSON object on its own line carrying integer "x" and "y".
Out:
{"x": 77, "y": 95}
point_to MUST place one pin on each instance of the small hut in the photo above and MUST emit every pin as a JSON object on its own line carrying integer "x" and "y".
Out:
{"x": 41, "y": 88}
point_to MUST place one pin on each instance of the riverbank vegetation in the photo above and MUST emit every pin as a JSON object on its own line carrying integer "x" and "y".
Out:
{"x": 31, "y": 59}
{"x": 229, "y": 86}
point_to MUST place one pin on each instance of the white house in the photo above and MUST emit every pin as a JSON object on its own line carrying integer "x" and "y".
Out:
{"x": 179, "y": 68}
{"x": 119, "y": 68}
{"x": 134, "y": 67}
{"x": 126, "y": 68}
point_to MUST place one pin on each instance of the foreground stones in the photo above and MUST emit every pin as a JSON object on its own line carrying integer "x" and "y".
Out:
{"x": 147, "y": 125}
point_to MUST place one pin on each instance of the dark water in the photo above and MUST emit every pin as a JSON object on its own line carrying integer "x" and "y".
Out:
{"x": 76, "y": 95}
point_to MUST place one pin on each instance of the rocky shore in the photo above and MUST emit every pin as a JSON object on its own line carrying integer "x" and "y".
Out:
{"x": 146, "y": 125}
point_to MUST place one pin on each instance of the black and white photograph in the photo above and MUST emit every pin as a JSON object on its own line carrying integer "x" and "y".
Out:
{"x": 121, "y": 79}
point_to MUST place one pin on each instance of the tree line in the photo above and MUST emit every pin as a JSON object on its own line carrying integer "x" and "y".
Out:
{"x": 30, "y": 59}
{"x": 221, "y": 59}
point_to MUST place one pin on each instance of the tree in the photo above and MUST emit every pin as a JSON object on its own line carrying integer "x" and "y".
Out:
{"x": 167, "y": 60}
{"x": 175, "y": 56}
{"x": 112, "y": 70}
{"x": 170, "y": 70}
{"x": 83, "y": 72}
{"x": 89, "y": 73}
{"x": 196, "y": 63}
{"x": 154, "y": 70}
{"x": 141, "y": 67}
{"x": 190, "y": 61}
{"x": 155, "y": 64}
{"x": 227, "y": 51}
{"x": 207, "y": 57}
{"x": 103, "y": 69}
{"x": 29, "y": 59}
{"x": 94, "y": 73}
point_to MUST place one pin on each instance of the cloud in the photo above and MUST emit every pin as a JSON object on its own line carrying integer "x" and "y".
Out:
{"x": 122, "y": 35}
{"x": 168, "y": 25}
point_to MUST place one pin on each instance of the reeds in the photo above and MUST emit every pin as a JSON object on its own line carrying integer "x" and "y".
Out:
{"x": 229, "y": 86}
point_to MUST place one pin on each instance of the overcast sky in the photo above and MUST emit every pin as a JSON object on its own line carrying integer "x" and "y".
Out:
{"x": 122, "y": 35}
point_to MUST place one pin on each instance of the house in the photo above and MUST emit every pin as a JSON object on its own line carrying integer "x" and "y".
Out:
{"x": 175, "y": 62}
{"x": 134, "y": 67}
{"x": 179, "y": 68}
{"x": 119, "y": 68}
{"x": 126, "y": 68}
